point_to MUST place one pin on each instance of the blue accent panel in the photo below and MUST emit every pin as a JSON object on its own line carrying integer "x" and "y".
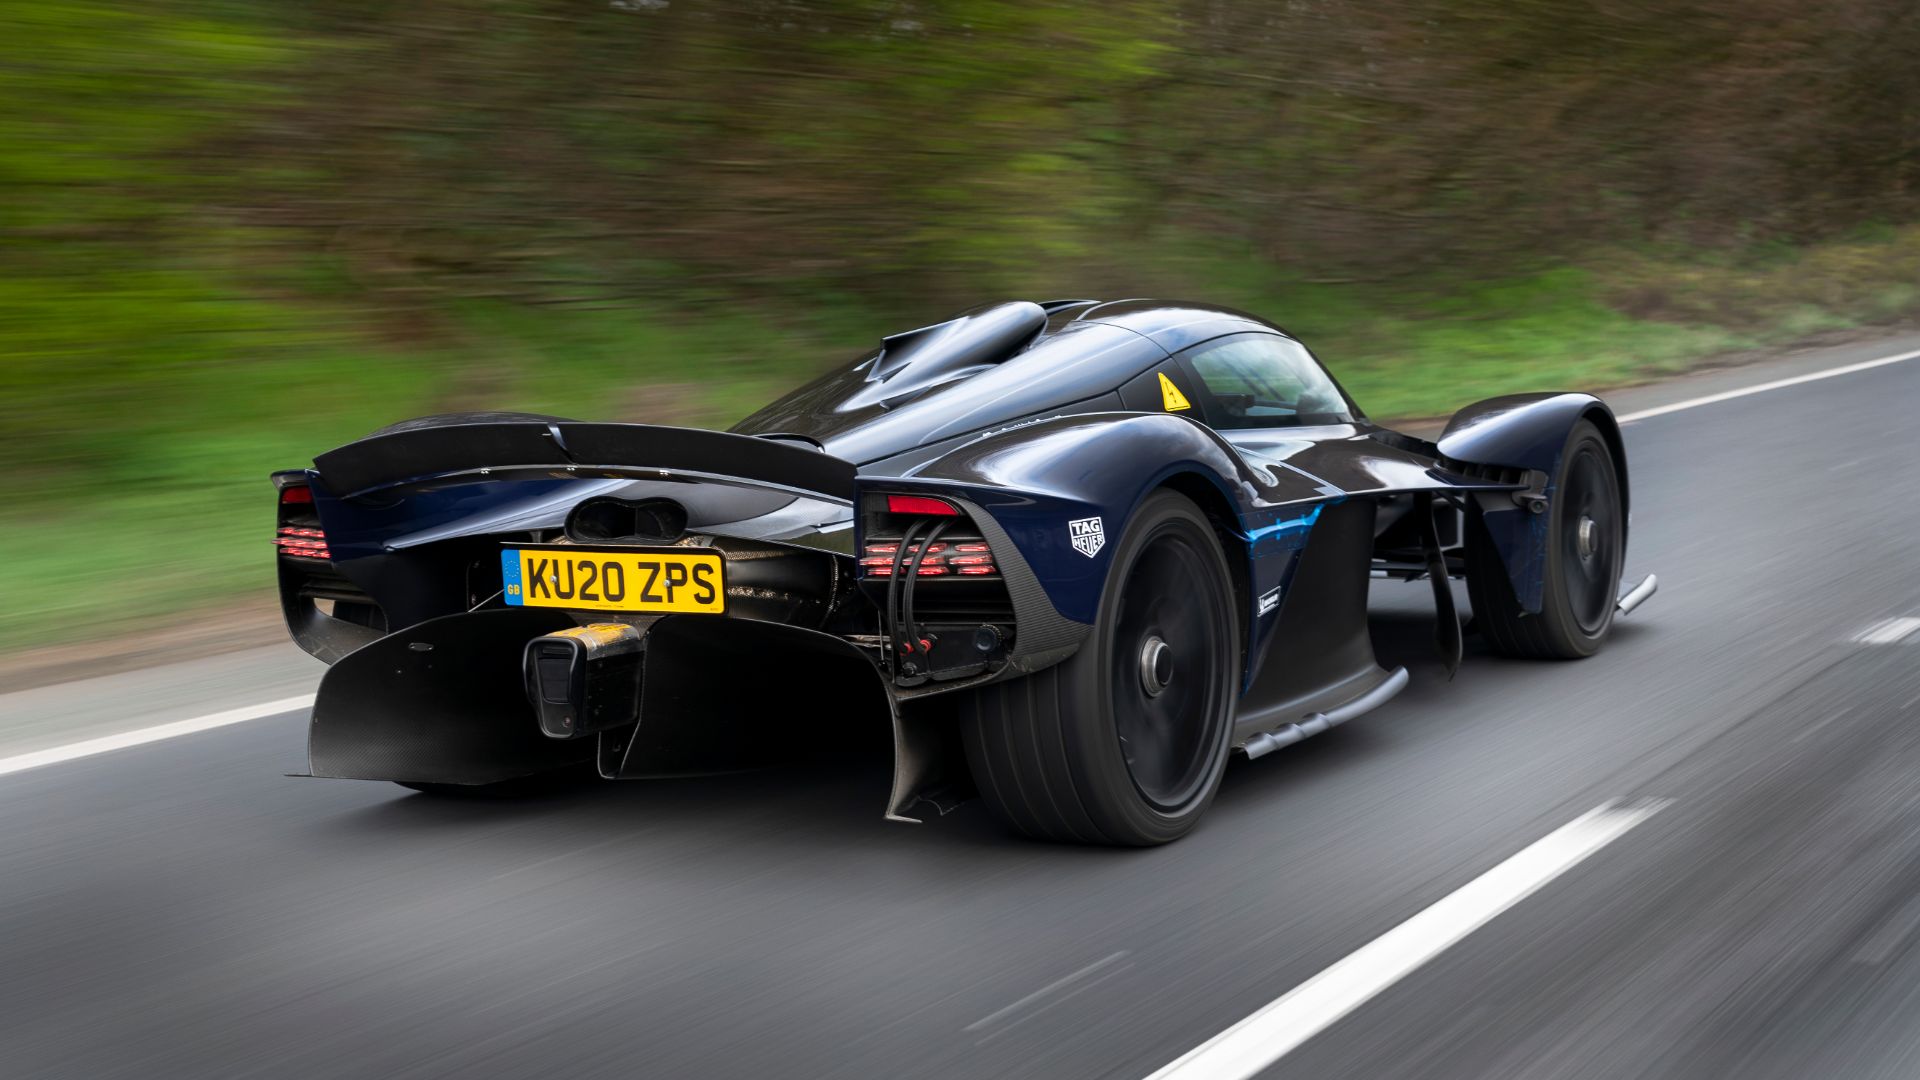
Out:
{"x": 510, "y": 576}
{"x": 1283, "y": 526}
{"x": 1273, "y": 552}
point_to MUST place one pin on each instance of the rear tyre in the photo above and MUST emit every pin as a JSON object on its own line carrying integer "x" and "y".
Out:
{"x": 1123, "y": 743}
{"x": 1586, "y": 534}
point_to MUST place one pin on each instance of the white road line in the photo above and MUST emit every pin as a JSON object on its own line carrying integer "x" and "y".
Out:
{"x": 1888, "y": 631}
{"x": 1268, "y": 1035}
{"x": 1001, "y": 1014}
{"x": 1761, "y": 388}
{"x": 142, "y": 736}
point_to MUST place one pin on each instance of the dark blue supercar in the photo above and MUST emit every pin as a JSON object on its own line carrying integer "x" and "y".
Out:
{"x": 1070, "y": 555}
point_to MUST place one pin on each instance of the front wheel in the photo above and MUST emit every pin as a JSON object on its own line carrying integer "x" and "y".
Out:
{"x": 1125, "y": 742}
{"x": 1585, "y": 542}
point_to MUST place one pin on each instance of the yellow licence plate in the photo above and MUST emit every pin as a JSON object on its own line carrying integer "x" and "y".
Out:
{"x": 678, "y": 580}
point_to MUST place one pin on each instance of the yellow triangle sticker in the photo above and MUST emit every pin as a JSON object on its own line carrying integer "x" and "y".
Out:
{"x": 1171, "y": 395}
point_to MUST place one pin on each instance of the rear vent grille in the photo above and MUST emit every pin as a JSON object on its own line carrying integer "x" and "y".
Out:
{"x": 325, "y": 583}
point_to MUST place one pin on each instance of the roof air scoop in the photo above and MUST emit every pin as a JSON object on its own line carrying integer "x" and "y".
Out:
{"x": 918, "y": 359}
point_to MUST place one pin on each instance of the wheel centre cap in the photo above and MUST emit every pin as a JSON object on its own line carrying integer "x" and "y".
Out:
{"x": 1585, "y": 537}
{"x": 1156, "y": 666}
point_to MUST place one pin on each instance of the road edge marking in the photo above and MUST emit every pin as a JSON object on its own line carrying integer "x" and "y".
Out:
{"x": 1275, "y": 1030}
{"x": 1891, "y": 631}
{"x": 1761, "y": 388}
{"x": 141, "y": 736}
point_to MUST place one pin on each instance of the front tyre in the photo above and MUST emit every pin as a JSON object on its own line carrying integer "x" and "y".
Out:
{"x": 1585, "y": 544}
{"x": 1123, "y": 743}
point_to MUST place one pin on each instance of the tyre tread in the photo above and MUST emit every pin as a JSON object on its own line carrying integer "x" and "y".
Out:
{"x": 1026, "y": 758}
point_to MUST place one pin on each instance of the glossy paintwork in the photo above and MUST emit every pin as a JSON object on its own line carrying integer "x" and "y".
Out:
{"x": 1346, "y": 458}
{"x": 881, "y": 406}
{"x": 1527, "y": 430}
{"x": 1079, "y": 361}
{"x": 1037, "y": 477}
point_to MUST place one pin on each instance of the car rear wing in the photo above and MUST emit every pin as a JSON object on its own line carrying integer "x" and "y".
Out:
{"x": 433, "y": 457}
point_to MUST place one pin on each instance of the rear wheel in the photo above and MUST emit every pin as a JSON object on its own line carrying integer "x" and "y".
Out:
{"x": 1124, "y": 742}
{"x": 1586, "y": 533}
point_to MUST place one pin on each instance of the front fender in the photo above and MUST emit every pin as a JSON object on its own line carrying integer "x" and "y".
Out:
{"x": 1529, "y": 431}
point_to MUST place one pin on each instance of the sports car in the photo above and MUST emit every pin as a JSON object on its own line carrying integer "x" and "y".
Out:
{"x": 1072, "y": 555}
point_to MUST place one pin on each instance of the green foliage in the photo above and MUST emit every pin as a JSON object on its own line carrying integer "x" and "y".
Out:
{"x": 235, "y": 233}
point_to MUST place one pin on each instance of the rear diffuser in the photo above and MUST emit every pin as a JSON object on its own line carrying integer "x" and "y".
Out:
{"x": 441, "y": 702}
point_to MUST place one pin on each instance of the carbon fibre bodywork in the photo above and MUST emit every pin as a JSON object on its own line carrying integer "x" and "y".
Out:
{"x": 1025, "y": 420}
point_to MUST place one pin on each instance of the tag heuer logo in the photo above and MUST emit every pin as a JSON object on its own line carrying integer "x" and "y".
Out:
{"x": 1088, "y": 536}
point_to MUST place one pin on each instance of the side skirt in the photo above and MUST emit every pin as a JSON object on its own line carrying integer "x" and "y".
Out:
{"x": 1385, "y": 690}
{"x": 1320, "y": 669}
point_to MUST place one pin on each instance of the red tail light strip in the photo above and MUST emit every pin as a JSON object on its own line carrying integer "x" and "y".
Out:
{"x": 940, "y": 561}
{"x": 304, "y": 543}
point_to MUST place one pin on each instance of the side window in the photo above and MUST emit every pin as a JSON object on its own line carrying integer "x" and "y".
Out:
{"x": 1264, "y": 380}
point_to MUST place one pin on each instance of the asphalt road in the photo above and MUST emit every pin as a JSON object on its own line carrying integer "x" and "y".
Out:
{"x": 182, "y": 909}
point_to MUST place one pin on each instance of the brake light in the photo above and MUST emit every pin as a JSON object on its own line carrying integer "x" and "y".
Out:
{"x": 304, "y": 543}
{"x": 921, "y": 504}
{"x": 970, "y": 557}
{"x": 297, "y": 494}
